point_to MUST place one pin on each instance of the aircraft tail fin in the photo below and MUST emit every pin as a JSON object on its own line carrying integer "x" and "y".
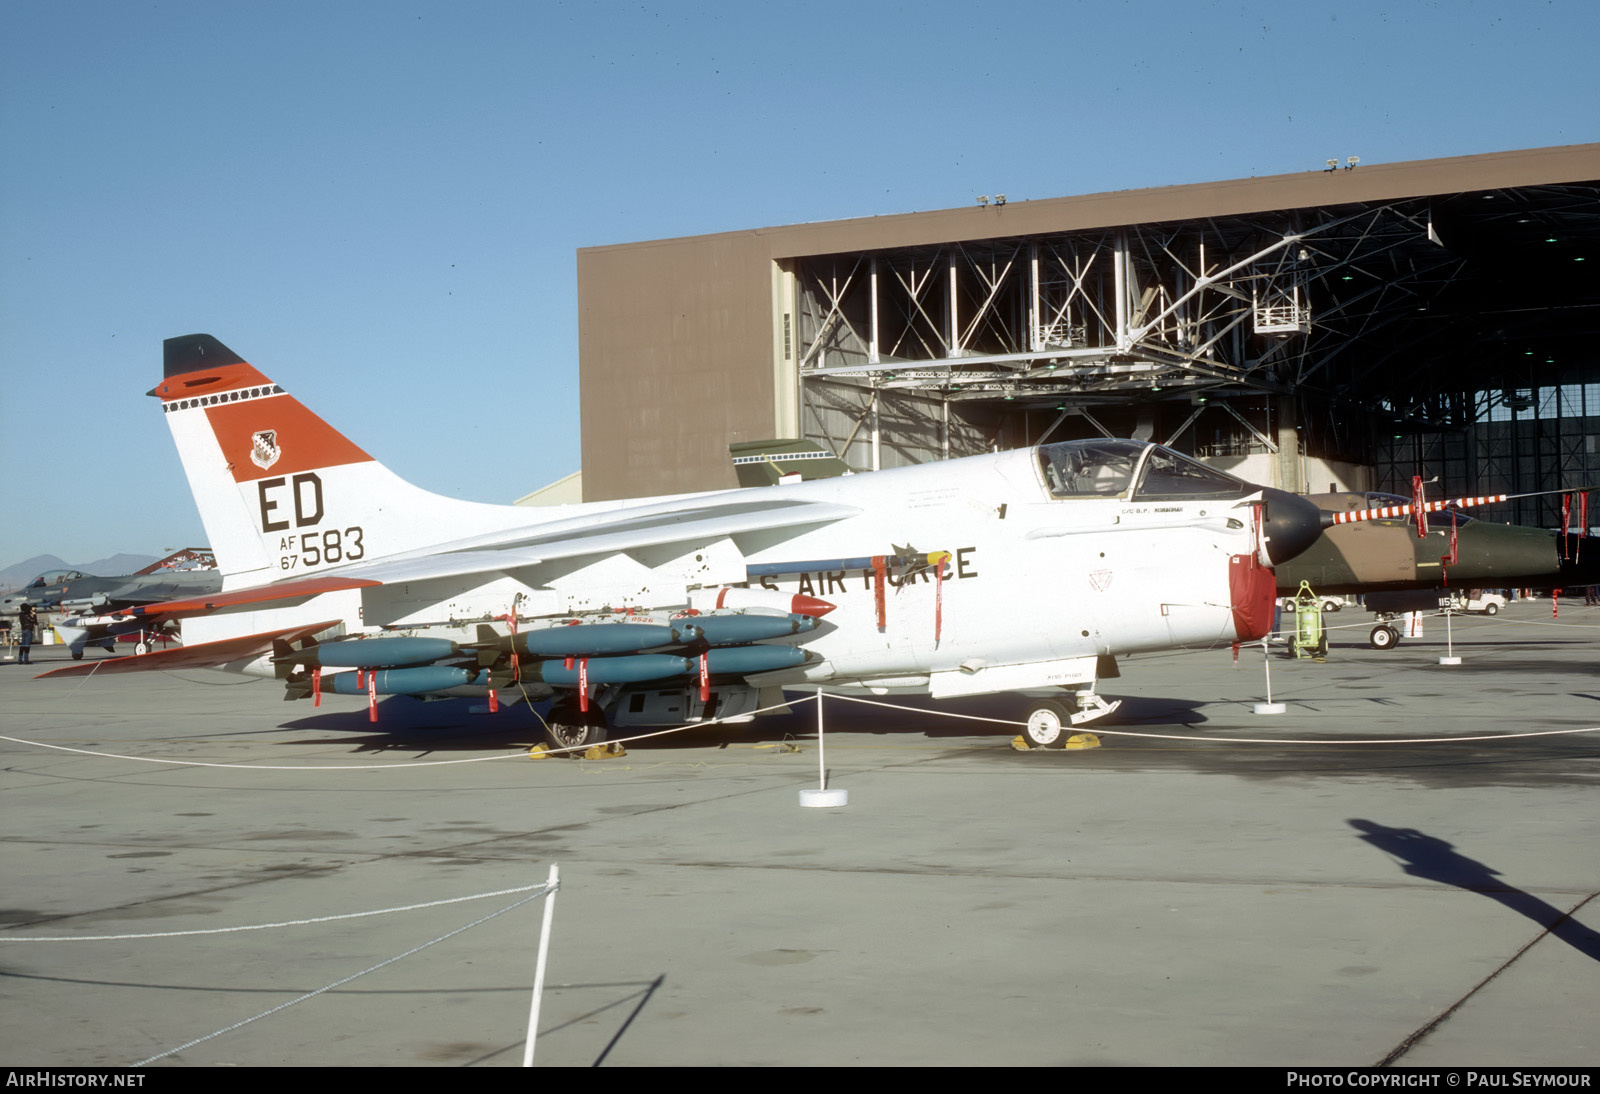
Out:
{"x": 196, "y": 558}
{"x": 281, "y": 492}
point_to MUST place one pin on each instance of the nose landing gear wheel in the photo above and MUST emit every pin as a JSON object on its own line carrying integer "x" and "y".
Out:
{"x": 1384, "y": 637}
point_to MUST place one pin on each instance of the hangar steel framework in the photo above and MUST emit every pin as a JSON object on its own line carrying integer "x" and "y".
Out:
{"x": 1448, "y": 335}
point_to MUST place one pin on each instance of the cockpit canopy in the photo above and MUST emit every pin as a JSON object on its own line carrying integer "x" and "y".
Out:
{"x": 54, "y": 577}
{"x": 1107, "y": 468}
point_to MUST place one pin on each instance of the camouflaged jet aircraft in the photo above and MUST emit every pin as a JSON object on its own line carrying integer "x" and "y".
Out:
{"x": 1402, "y": 560}
{"x": 189, "y": 572}
{"x": 1386, "y": 553}
{"x": 87, "y": 600}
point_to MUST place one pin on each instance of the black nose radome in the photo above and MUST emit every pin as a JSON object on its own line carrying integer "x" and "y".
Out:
{"x": 1293, "y": 523}
{"x": 1579, "y": 558}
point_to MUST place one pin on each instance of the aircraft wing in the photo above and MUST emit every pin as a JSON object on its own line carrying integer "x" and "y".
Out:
{"x": 121, "y": 600}
{"x": 683, "y": 521}
{"x": 676, "y": 521}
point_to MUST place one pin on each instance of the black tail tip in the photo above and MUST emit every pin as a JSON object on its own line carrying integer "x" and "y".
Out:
{"x": 192, "y": 352}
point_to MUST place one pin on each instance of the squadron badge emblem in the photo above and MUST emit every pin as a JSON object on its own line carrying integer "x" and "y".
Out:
{"x": 264, "y": 450}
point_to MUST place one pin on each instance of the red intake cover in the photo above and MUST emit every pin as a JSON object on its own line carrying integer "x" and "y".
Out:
{"x": 1252, "y": 589}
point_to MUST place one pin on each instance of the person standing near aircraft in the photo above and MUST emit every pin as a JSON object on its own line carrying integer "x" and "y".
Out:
{"x": 27, "y": 620}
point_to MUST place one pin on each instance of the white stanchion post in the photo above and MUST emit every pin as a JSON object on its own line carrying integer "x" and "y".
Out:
{"x": 554, "y": 882}
{"x": 1269, "y": 707}
{"x": 1450, "y": 657}
{"x": 822, "y": 797}
{"x": 822, "y": 766}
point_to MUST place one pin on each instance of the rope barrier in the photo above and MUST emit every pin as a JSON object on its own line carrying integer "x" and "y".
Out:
{"x": 519, "y": 754}
{"x": 337, "y": 983}
{"x": 262, "y": 767}
{"x": 541, "y": 887}
{"x": 1235, "y": 740}
{"x": 1547, "y": 623}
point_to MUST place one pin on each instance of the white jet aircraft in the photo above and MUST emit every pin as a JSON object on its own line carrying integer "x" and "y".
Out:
{"x": 1026, "y": 571}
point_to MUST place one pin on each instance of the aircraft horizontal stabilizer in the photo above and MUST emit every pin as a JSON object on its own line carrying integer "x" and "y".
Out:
{"x": 283, "y": 594}
{"x": 200, "y": 656}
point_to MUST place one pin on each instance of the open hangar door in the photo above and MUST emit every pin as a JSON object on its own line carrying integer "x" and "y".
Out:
{"x": 1340, "y": 345}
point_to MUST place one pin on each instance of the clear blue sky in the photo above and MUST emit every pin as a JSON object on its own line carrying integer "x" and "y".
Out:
{"x": 378, "y": 204}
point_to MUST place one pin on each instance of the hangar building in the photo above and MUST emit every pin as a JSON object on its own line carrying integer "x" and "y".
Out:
{"x": 1345, "y": 328}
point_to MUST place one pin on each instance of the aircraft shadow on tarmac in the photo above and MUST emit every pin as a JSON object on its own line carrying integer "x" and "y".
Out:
{"x": 406, "y": 724}
{"x": 1433, "y": 859}
{"x": 932, "y": 719}
{"x": 409, "y": 725}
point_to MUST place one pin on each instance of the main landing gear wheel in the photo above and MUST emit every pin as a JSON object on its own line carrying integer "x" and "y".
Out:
{"x": 568, "y": 727}
{"x": 1384, "y": 637}
{"x": 1049, "y": 724}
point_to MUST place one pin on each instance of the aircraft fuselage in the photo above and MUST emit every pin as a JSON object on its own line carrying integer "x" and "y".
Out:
{"x": 1388, "y": 555}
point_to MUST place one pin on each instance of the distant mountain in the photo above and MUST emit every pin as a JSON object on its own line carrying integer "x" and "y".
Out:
{"x": 116, "y": 565}
{"x": 19, "y": 574}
